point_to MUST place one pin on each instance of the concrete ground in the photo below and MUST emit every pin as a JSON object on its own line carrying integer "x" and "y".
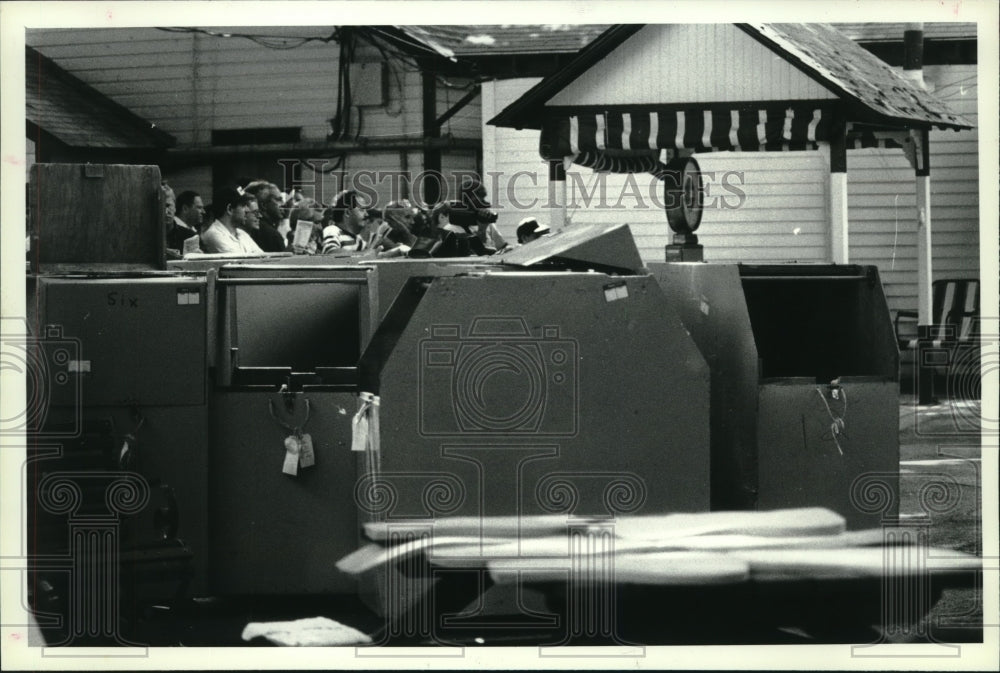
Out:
{"x": 940, "y": 483}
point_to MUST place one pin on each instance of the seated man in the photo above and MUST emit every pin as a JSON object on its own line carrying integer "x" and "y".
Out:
{"x": 395, "y": 235}
{"x": 251, "y": 223}
{"x": 453, "y": 240}
{"x": 474, "y": 212}
{"x": 344, "y": 224}
{"x": 269, "y": 201}
{"x": 169, "y": 211}
{"x": 226, "y": 234}
{"x": 187, "y": 220}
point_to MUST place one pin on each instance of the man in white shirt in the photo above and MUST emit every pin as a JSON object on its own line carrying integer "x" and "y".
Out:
{"x": 227, "y": 234}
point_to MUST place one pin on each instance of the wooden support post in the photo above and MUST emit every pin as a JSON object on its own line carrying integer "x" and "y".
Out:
{"x": 557, "y": 195}
{"x": 925, "y": 266}
{"x": 924, "y": 261}
{"x": 838, "y": 197}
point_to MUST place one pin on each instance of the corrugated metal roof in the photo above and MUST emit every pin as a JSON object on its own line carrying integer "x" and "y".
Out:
{"x": 484, "y": 40}
{"x": 474, "y": 40}
{"x": 893, "y": 32}
{"x": 79, "y": 115}
{"x": 856, "y": 74}
{"x": 875, "y": 91}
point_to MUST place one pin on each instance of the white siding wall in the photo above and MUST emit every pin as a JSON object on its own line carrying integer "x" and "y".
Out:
{"x": 781, "y": 216}
{"x": 882, "y": 199}
{"x": 785, "y": 213}
{"x": 690, "y": 63}
{"x": 507, "y": 153}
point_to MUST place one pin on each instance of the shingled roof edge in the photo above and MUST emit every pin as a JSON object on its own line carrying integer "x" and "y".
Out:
{"x": 158, "y": 137}
{"x": 834, "y": 86}
{"x": 604, "y": 44}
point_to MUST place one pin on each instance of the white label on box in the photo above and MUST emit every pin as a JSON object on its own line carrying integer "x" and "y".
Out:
{"x": 188, "y": 297}
{"x": 615, "y": 292}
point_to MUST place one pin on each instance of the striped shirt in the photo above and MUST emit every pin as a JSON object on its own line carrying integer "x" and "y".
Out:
{"x": 335, "y": 238}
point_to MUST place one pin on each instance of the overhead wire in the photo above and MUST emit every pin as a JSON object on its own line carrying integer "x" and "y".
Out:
{"x": 284, "y": 42}
{"x": 279, "y": 42}
{"x": 406, "y": 39}
{"x": 376, "y": 34}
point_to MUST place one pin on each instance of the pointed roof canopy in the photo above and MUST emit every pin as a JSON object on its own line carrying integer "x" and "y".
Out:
{"x": 867, "y": 89}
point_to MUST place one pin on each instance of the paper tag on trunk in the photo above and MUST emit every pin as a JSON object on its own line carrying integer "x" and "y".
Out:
{"x": 306, "y": 444}
{"x": 359, "y": 439}
{"x": 292, "y": 447}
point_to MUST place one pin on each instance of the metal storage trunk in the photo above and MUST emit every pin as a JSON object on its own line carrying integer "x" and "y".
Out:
{"x": 533, "y": 392}
{"x": 298, "y": 329}
{"x": 123, "y": 360}
{"x": 805, "y": 384}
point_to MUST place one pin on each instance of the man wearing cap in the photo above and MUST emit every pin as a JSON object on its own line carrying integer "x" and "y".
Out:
{"x": 530, "y": 229}
{"x": 226, "y": 234}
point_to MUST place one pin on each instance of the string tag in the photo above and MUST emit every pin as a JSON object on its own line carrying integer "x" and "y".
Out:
{"x": 359, "y": 424}
{"x": 298, "y": 446}
{"x": 838, "y": 427}
{"x": 292, "y": 448}
{"x": 306, "y": 455}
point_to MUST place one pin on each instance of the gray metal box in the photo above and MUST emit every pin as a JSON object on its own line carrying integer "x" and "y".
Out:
{"x": 142, "y": 339}
{"x": 534, "y": 392}
{"x": 791, "y": 349}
